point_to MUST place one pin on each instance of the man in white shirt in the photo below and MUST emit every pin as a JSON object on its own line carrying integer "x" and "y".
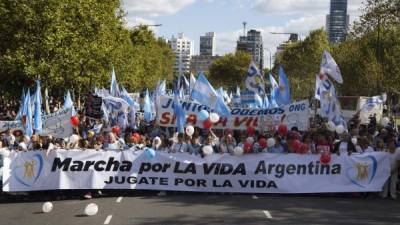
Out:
{"x": 181, "y": 146}
{"x": 394, "y": 157}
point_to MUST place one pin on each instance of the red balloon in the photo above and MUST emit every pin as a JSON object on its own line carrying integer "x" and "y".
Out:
{"x": 282, "y": 130}
{"x": 325, "y": 157}
{"x": 251, "y": 131}
{"x": 304, "y": 149}
{"x": 207, "y": 123}
{"x": 247, "y": 147}
{"x": 74, "y": 121}
{"x": 262, "y": 142}
{"x": 115, "y": 130}
{"x": 135, "y": 137}
{"x": 296, "y": 145}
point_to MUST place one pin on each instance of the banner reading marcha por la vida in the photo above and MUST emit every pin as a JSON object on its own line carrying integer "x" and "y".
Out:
{"x": 254, "y": 173}
{"x": 296, "y": 114}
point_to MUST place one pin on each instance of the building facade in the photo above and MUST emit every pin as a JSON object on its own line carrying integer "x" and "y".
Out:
{"x": 201, "y": 63}
{"x": 337, "y": 22}
{"x": 208, "y": 44}
{"x": 183, "y": 48}
{"x": 253, "y": 44}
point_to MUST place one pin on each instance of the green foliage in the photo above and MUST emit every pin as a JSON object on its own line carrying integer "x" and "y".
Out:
{"x": 229, "y": 70}
{"x": 74, "y": 44}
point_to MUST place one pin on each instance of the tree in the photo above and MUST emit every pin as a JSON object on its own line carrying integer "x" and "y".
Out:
{"x": 74, "y": 44}
{"x": 301, "y": 61}
{"x": 230, "y": 70}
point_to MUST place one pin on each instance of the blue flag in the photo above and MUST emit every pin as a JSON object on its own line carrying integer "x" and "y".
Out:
{"x": 274, "y": 91}
{"x": 179, "y": 113}
{"x": 19, "y": 114}
{"x": 147, "y": 107}
{"x": 284, "y": 89}
{"x": 27, "y": 115}
{"x": 114, "y": 89}
{"x": 37, "y": 126}
{"x": 205, "y": 94}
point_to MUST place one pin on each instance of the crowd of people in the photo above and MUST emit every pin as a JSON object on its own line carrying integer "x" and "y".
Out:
{"x": 320, "y": 138}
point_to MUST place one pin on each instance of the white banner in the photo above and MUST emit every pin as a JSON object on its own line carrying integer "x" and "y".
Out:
{"x": 254, "y": 173}
{"x": 296, "y": 114}
{"x": 56, "y": 124}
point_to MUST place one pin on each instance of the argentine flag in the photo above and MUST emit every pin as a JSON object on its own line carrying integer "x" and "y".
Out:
{"x": 274, "y": 91}
{"x": 284, "y": 89}
{"x": 205, "y": 94}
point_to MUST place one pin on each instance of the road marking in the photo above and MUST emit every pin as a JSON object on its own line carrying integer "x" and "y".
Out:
{"x": 119, "y": 199}
{"x": 254, "y": 197}
{"x": 108, "y": 219}
{"x": 267, "y": 214}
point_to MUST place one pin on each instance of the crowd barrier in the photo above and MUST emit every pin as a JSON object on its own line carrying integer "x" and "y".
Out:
{"x": 252, "y": 173}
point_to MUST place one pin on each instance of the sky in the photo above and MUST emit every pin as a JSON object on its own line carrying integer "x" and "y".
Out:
{"x": 225, "y": 17}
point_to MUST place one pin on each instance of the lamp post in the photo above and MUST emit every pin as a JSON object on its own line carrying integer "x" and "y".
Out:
{"x": 270, "y": 58}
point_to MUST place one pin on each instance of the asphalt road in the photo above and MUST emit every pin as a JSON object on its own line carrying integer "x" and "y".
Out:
{"x": 146, "y": 208}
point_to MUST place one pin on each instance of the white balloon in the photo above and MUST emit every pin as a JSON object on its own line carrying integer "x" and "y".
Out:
{"x": 208, "y": 150}
{"x": 250, "y": 140}
{"x": 214, "y": 117}
{"x": 238, "y": 151}
{"x": 91, "y": 209}
{"x": 270, "y": 142}
{"x": 331, "y": 126}
{"x": 354, "y": 140}
{"x": 385, "y": 121}
{"x": 340, "y": 129}
{"x": 189, "y": 130}
{"x": 47, "y": 207}
{"x": 5, "y": 152}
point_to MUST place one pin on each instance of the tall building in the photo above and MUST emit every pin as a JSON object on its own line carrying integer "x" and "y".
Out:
{"x": 183, "y": 48}
{"x": 253, "y": 44}
{"x": 208, "y": 44}
{"x": 293, "y": 38}
{"x": 202, "y": 62}
{"x": 337, "y": 22}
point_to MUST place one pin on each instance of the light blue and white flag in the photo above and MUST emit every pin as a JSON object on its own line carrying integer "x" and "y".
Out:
{"x": 255, "y": 80}
{"x": 161, "y": 88}
{"x": 179, "y": 113}
{"x": 284, "y": 88}
{"x": 329, "y": 67}
{"x": 21, "y": 107}
{"x": 148, "y": 115}
{"x": 115, "y": 111}
{"x": 68, "y": 103}
{"x": 38, "y": 125}
{"x": 182, "y": 83}
{"x": 236, "y": 97}
{"x": 27, "y": 115}
{"x": 274, "y": 91}
{"x": 265, "y": 102}
{"x": 259, "y": 101}
{"x": 114, "y": 88}
{"x": 205, "y": 94}
{"x": 192, "y": 81}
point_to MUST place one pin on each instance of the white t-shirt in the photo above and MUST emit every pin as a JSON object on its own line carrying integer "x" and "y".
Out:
{"x": 343, "y": 147}
{"x": 177, "y": 147}
{"x": 394, "y": 157}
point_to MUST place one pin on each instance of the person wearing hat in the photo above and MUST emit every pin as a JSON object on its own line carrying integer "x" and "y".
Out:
{"x": 156, "y": 144}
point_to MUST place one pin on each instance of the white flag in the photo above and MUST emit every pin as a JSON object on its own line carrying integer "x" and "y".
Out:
{"x": 255, "y": 80}
{"x": 329, "y": 67}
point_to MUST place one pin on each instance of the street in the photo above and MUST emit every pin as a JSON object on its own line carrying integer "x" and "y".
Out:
{"x": 197, "y": 208}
